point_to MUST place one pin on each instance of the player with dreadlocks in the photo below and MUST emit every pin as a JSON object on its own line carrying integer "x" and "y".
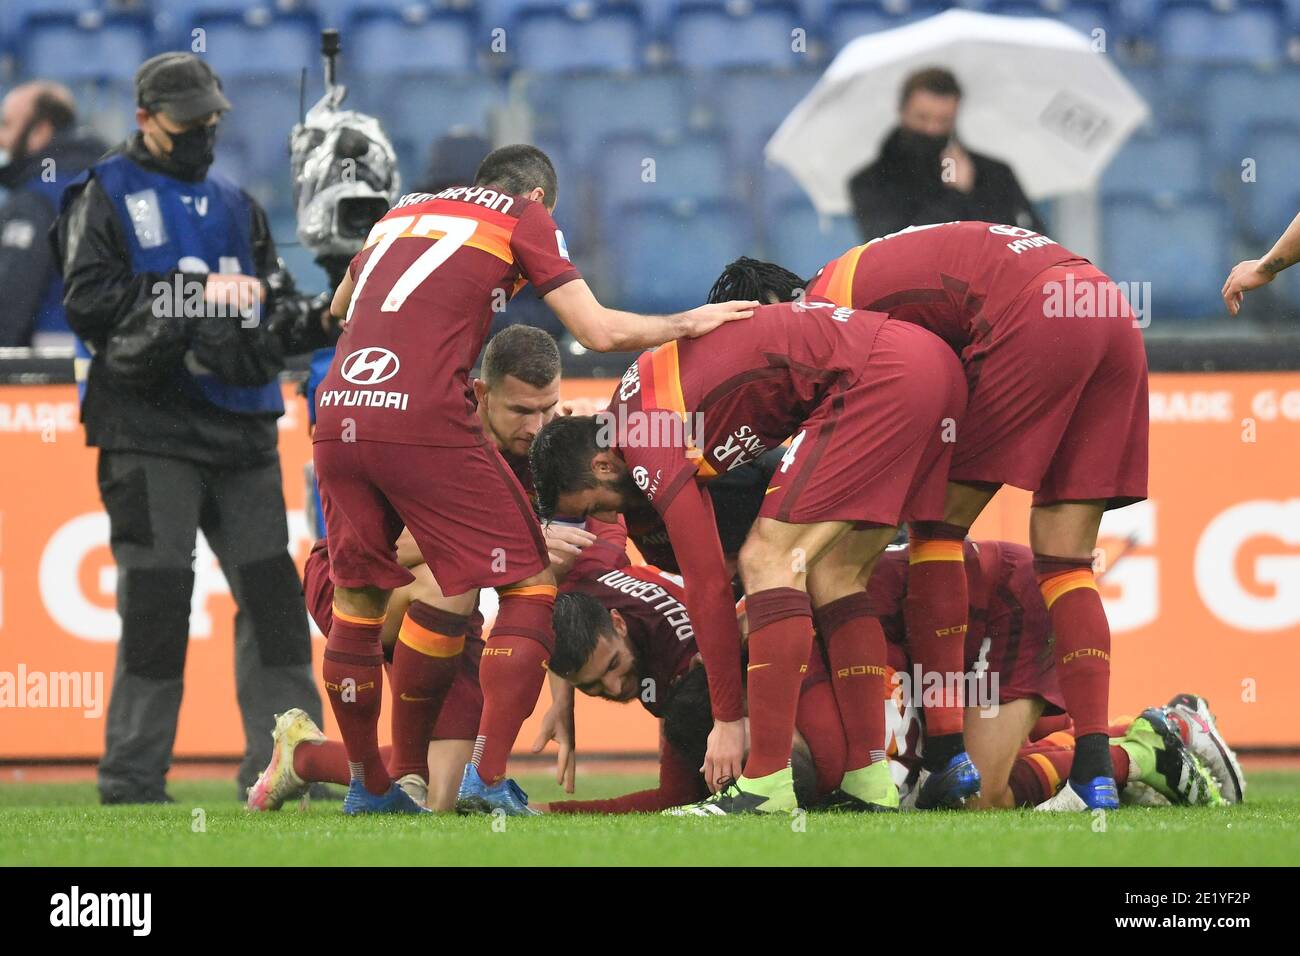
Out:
{"x": 1058, "y": 408}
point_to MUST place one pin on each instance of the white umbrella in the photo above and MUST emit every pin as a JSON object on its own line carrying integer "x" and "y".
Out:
{"x": 1035, "y": 94}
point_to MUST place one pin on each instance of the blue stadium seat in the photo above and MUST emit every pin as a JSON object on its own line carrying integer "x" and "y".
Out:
{"x": 1084, "y": 15}
{"x": 1164, "y": 162}
{"x": 707, "y": 36}
{"x": 1179, "y": 248}
{"x": 429, "y": 105}
{"x": 263, "y": 112}
{"x": 642, "y": 169}
{"x": 1271, "y": 200}
{"x": 1191, "y": 30}
{"x": 665, "y": 256}
{"x": 388, "y": 42}
{"x": 588, "y": 110}
{"x": 802, "y": 241}
{"x": 282, "y": 46}
{"x": 580, "y": 38}
{"x": 1236, "y": 98}
{"x": 850, "y": 19}
{"x": 748, "y": 105}
{"x": 77, "y": 49}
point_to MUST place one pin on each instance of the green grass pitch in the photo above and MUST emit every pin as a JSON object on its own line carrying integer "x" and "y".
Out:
{"x": 62, "y": 825}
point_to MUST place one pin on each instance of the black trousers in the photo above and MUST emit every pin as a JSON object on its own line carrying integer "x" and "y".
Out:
{"x": 155, "y": 506}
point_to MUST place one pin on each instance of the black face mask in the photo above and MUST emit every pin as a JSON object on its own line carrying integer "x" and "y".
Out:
{"x": 192, "y": 150}
{"x": 922, "y": 146}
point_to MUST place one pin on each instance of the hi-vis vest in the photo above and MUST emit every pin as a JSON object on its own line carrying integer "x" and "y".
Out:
{"x": 172, "y": 225}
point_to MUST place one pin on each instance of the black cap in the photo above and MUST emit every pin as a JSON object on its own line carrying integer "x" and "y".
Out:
{"x": 181, "y": 85}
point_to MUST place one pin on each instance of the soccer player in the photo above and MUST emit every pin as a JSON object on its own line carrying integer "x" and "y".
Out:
{"x": 865, "y": 402}
{"x": 517, "y": 394}
{"x": 625, "y": 635}
{"x": 1253, "y": 273}
{"x": 397, "y": 444}
{"x": 1058, "y": 405}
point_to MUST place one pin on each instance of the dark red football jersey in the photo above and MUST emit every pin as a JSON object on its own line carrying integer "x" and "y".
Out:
{"x": 950, "y": 278}
{"x": 653, "y": 603}
{"x": 432, "y": 273}
{"x": 695, "y": 408}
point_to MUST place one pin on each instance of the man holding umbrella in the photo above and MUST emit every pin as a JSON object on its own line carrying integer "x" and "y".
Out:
{"x": 924, "y": 174}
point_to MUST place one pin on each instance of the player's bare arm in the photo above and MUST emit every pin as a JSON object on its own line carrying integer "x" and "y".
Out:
{"x": 342, "y": 298}
{"x": 1253, "y": 273}
{"x": 611, "y": 330}
{"x": 709, "y": 602}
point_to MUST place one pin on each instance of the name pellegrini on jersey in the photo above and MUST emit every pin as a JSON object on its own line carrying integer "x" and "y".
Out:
{"x": 656, "y": 596}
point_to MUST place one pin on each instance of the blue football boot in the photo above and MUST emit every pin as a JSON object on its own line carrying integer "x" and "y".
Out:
{"x": 475, "y": 796}
{"x": 951, "y": 787}
{"x": 361, "y": 800}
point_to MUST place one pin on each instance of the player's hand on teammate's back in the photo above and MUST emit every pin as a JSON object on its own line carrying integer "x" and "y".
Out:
{"x": 725, "y": 756}
{"x": 1245, "y": 275}
{"x": 706, "y": 318}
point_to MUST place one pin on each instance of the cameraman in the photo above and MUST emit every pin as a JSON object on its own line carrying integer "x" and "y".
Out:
{"x": 173, "y": 283}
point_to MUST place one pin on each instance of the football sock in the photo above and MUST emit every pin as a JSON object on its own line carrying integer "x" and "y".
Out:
{"x": 780, "y": 640}
{"x": 354, "y": 682}
{"x": 855, "y": 648}
{"x": 1082, "y": 646}
{"x": 327, "y": 762}
{"x": 818, "y": 720}
{"x": 1037, "y": 773}
{"x": 511, "y": 671}
{"x": 934, "y": 613}
{"x": 425, "y": 662}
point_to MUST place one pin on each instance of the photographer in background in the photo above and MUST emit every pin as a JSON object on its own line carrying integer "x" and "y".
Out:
{"x": 41, "y": 151}
{"x": 924, "y": 175}
{"x": 172, "y": 282}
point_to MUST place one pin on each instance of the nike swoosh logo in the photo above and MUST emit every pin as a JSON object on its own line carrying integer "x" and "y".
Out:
{"x": 772, "y": 489}
{"x": 754, "y": 667}
{"x": 414, "y": 700}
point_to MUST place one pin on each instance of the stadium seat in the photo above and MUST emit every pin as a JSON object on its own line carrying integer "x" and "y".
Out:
{"x": 1178, "y": 247}
{"x": 583, "y": 37}
{"x": 263, "y": 45}
{"x": 803, "y": 241}
{"x": 73, "y": 49}
{"x": 850, "y": 19}
{"x": 1235, "y": 98}
{"x": 749, "y": 105}
{"x": 665, "y": 256}
{"x": 643, "y": 169}
{"x": 429, "y": 105}
{"x": 1191, "y": 30}
{"x": 706, "y": 36}
{"x": 388, "y": 42}
{"x": 1271, "y": 200}
{"x": 264, "y": 111}
{"x": 1165, "y": 162}
{"x": 1084, "y": 15}
{"x": 588, "y": 110}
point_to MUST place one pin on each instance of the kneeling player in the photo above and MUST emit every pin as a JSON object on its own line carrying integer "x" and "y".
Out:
{"x": 866, "y": 403}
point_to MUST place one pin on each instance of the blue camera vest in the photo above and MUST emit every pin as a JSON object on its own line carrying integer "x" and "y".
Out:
{"x": 206, "y": 226}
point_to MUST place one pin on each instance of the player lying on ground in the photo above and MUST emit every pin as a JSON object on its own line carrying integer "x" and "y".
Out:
{"x": 397, "y": 445}
{"x": 1058, "y": 406}
{"x": 518, "y": 393}
{"x": 866, "y": 402}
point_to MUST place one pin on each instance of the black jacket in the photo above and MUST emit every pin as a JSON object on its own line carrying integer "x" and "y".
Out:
{"x": 133, "y": 400}
{"x": 902, "y": 188}
{"x": 27, "y": 263}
